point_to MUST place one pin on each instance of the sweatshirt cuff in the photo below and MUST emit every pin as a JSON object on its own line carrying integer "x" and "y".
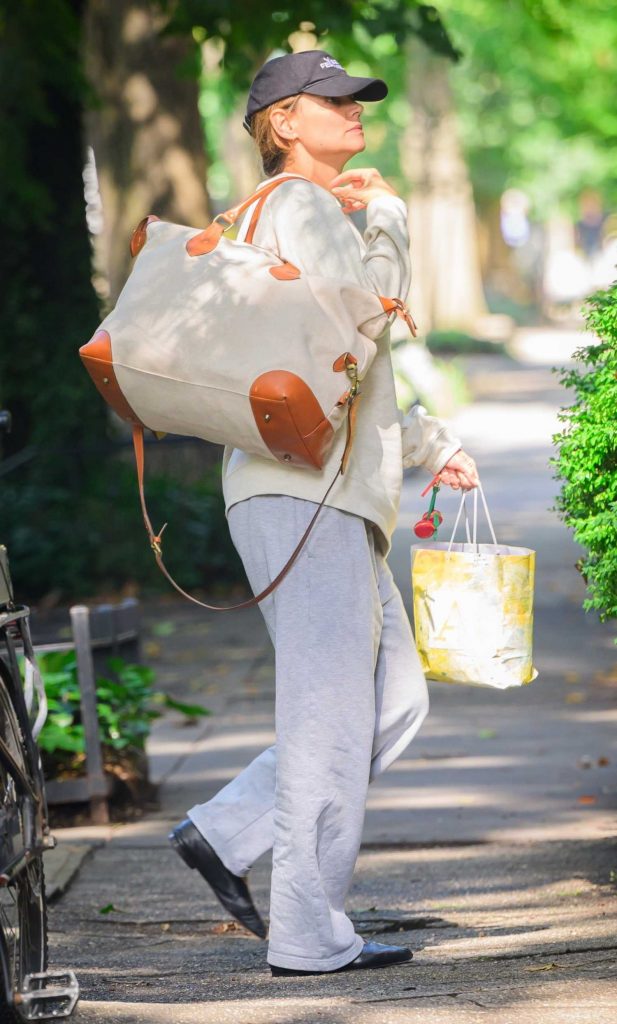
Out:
{"x": 386, "y": 205}
{"x": 442, "y": 450}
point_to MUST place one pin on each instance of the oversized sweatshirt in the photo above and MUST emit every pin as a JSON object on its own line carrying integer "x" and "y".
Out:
{"x": 304, "y": 223}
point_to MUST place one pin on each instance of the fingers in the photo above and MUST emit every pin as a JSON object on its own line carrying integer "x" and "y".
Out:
{"x": 357, "y": 174}
{"x": 457, "y": 478}
{"x": 461, "y": 471}
{"x": 350, "y": 197}
{"x": 350, "y": 204}
{"x": 345, "y": 193}
{"x": 450, "y": 478}
{"x": 350, "y": 187}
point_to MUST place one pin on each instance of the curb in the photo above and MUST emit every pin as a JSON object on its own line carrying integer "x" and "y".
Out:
{"x": 62, "y": 865}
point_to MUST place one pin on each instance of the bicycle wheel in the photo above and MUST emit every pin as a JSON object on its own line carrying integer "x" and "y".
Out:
{"x": 23, "y": 910}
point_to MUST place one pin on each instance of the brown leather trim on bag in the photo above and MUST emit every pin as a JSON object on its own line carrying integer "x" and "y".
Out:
{"x": 341, "y": 362}
{"x": 208, "y": 239}
{"x": 254, "y": 219}
{"x": 290, "y": 419}
{"x": 286, "y": 272}
{"x": 351, "y": 430}
{"x": 140, "y": 234}
{"x": 392, "y": 305}
{"x": 97, "y": 358}
{"x": 155, "y": 539}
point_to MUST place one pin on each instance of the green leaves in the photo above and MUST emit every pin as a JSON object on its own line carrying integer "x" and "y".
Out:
{"x": 190, "y": 710}
{"x": 110, "y": 909}
{"x": 126, "y": 707}
{"x": 107, "y": 544}
{"x": 250, "y": 33}
{"x": 586, "y": 459}
{"x": 534, "y": 95}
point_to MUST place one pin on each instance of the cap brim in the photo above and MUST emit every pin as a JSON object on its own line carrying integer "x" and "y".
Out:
{"x": 340, "y": 85}
{"x": 344, "y": 85}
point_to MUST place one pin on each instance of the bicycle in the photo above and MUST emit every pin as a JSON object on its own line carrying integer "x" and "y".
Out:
{"x": 28, "y": 990}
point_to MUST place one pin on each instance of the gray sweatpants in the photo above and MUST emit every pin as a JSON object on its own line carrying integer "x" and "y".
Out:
{"x": 350, "y": 695}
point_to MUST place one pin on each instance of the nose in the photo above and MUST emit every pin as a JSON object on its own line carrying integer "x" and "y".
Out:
{"x": 351, "y": 109}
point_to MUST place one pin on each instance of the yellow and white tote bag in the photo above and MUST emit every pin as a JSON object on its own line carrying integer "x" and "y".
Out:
{"x": 473, "y": 608}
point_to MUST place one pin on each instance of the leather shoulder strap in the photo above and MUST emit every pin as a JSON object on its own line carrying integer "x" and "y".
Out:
{"x": 262, "y": 193}
{"x": 155, "y": 539}
{"x": 207, "y": 239}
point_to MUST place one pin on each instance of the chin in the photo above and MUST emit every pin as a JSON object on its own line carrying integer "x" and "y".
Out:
{"x": 358, "y": 142}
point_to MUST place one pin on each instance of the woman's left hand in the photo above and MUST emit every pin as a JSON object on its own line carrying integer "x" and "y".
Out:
{"x": 460, "y": 471}
{"x": 357, "y": 187}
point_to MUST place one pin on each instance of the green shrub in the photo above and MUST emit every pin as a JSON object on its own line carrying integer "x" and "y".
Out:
{"x": 587, "y": 454}
{"x": 126, "y": 704}
{"x": 460, "y": 343}
{"x": 87, "y": 537}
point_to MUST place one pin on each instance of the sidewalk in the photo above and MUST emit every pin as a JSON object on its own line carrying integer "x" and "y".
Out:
{"x": 489, "y": 847}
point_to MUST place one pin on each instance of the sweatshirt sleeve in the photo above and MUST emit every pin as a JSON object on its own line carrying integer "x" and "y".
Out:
{"x": 312, "y": 232}
{"x": 427, "y": 440}
{"x": 387, "y": 260}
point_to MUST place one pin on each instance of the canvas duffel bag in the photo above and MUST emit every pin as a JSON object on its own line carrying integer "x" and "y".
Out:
{"x": 223, "y": 340}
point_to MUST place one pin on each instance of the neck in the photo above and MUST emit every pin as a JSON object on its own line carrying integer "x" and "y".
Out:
{"x": 320, "y": 170}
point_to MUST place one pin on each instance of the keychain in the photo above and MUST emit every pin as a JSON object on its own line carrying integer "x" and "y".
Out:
{"x": 432, "y": 519}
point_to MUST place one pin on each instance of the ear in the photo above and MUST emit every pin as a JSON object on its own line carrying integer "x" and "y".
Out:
{"x": 281, "y": 121}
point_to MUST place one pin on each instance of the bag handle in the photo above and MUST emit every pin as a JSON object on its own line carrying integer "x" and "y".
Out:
{"x": 390, "y": 304}
{"x": 234, "y": 212}
{"x": 207, "y": 240}
{"x": 462, "y": 507}
{"x": 155, "y": 539}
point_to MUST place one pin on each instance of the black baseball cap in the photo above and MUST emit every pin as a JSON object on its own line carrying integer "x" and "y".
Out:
{"x": 312, "y": 71}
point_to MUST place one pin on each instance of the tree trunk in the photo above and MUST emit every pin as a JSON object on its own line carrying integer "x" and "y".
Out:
{"x": 239, "y": 150}
{"x": 241, "y": 156}
{"x": 144, "y": 126}
{"x": 446, "y": 290}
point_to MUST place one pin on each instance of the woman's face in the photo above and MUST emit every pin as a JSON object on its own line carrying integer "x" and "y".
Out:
{"x": 327, "y": 126}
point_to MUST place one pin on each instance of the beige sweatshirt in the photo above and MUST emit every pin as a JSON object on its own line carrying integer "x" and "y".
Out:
{"x": 304, "y": 223}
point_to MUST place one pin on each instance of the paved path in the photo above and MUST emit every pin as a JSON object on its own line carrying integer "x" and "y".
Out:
{"x": 489, "y": 846}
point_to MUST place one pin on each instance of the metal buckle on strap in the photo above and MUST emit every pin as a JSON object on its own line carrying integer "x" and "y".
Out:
{"x": 230, "y": 220}
{"x": 155, "y": 541}
{"x": 351, "y": 366}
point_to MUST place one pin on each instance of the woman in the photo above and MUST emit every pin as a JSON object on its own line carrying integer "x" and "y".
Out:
{"x": 350, "y": 692}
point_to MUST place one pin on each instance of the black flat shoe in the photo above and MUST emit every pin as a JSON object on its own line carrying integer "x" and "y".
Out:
{"x": 230, "y": 889}
{"x": 373, "y": 954}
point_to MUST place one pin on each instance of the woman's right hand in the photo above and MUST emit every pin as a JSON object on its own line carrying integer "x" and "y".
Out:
{"x": 355, "y": 188}
{"x": 460, "y": 471}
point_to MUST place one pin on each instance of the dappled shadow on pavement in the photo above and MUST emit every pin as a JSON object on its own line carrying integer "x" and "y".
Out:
{"x": 490, "y": 926}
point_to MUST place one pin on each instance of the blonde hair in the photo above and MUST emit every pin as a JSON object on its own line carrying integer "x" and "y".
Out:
{"x": 272, "y": 148}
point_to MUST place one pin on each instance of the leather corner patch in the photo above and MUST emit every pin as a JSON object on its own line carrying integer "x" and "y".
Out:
{"x": 290, "y": 419}
{"x": 140, "y": 234}
{"x": 97, "y": 357}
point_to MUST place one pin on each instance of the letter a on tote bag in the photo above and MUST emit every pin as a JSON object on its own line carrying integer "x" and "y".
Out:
{"x": 473, "y": 608}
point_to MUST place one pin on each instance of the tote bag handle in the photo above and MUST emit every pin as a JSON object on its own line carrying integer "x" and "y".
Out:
{"x": 463, "y": 506}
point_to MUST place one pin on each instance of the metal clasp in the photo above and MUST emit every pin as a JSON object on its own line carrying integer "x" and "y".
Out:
{"x": 351, "y": 366}
{"x": 155, "y": 542}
